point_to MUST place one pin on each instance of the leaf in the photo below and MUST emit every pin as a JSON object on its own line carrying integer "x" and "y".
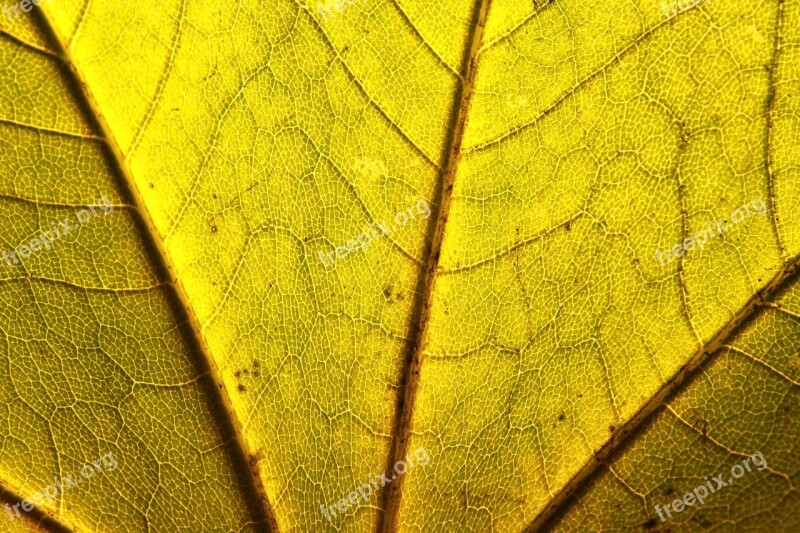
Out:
{"x": 308, "y": 245}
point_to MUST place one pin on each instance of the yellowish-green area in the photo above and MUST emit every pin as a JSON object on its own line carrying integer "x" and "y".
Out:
{"x": 695, "y": 439}
{"x": 93, "y": 360}
{"x": 261, "y": 137}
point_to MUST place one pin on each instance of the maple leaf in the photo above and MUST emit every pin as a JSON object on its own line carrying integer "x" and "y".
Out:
{"x": 399, "y": 266}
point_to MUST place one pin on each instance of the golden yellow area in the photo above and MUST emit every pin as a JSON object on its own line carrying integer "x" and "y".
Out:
{"x": 241, "y": 318}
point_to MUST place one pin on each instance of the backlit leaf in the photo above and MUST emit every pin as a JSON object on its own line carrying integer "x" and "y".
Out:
{"x": 551, "y": 245}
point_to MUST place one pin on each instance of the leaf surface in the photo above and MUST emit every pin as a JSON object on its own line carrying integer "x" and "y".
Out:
{"x": 213, "y": 326}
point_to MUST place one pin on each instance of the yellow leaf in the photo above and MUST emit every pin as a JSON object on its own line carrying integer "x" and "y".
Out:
{"x": 388, "y": 265}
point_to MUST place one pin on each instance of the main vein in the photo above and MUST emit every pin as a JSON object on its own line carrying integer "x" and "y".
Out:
{"x": 407, "y": 392}
{"x": 244, "y": 461}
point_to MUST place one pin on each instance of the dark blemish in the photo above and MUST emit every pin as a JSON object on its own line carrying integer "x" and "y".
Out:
{"x": 562, "y": 416}
{"x": 650, "y": 523}
{"x": 237, "y": 373}
{"x": 242, "y": 388}
{"x": 345, "y": 49}
{"x": 787, "y": 409}
{"x": 214, "y": 195}
{"x": 387, "y": 291}
{"x": 670, "y": 491}
{"x": 256, "y": 373}
{"x": 568, "y": 226}
{"x": 251, "y": 187}
{"x": 255, "y": 363}
{"x": 213, "y": 227}
{"x": 580, "y": 395}
{"x": 152, "y": 186}
{"x": 257, "y": 458}
{"x": 611, "y": 428}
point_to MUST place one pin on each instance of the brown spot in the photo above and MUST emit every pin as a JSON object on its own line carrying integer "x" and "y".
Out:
{"x": 257, "y": 457}
{"x": 152, "y": 186}
{"x": 237, "y": 373}
{"x": 242, "y": 388}
{"x": 670, "y": 491}
{"x": 255, "y": 364}
{"x": 562, "y": 416}
{"x": 568, "y": 226}
{"x": 387, "y": 291}
{"x": 611, "y": 428}
{"x": 650, "y": 523}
